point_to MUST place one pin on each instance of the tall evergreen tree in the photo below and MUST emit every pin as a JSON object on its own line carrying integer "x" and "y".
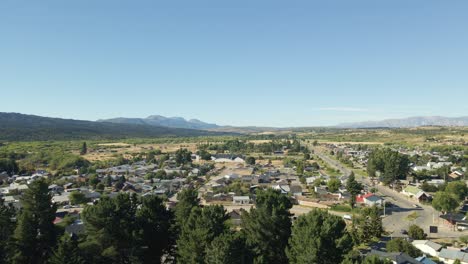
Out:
{"x": 35, "y": 234}
{"x": 84, "y": 149}
{"x": 6, "y": 229}
{"x": 154, "y": 237}
{"x": 67, "y": 252}
{"x": 202, "y": 226}
{"x": 354, "y": 188}
{"x": 187, "y": 199}
{"x": 228, "y": 248}
{"x": 110, "y": 227}
{"x": 267, "y": 227}
{"x": 318, "y": 237}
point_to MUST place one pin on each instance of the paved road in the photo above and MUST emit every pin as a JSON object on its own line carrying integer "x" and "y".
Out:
{"x": 396, "y": 217}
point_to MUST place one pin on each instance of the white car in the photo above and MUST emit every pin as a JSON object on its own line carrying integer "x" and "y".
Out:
{"x": 347, "y": 217}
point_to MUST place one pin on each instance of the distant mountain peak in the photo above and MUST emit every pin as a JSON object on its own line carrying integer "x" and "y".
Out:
{"x": 415, "y": 121}
{"x": 162, "y": 121}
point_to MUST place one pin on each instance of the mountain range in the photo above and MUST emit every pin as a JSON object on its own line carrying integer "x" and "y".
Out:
{"x": 416, "y": 121}
{"x": 161, "y": 121}
{"x": 15, "y": 126}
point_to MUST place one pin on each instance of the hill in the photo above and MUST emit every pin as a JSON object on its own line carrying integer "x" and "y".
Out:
{"x": 162, "y": 121}
{"x": 417, "y": 121}
{"x": 19, "y": 127}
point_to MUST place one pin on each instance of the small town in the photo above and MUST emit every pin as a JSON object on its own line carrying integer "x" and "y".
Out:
{"x": 234, "y": 132}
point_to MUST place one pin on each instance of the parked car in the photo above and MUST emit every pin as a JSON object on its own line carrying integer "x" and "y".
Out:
{"x": 404, "y": 232}
{"x": 347, "y": 217}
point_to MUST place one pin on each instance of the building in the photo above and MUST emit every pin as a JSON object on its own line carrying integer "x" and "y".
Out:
{"x": 427, "y": 247}
{"x": 241, "y": 200}
{"x": 369, "y": 199}
{"x": 449, "y": 256}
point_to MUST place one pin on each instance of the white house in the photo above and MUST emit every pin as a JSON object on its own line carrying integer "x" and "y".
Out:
{"x": 240, "y": 199}
{"x": 284, "y": 189}
{"x": 427, "y": 247}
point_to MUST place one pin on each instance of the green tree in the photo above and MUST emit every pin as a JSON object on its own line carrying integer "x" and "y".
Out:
{"x": 416, "y": 232}
{"x": 110, "y": 228}
{"x": 318, "y": 237}
{"x": 227, "y": 248}
{"x": 354, "y": 188}
{"x": 9, "y": 165}
{"x": 373, "y": 259}
{"x": 6, "y": 229}
{"x": 35, "y": 233}
{"x": 457, "y": 261}
{"x": 154, "y": 236}
{"x": 183, "y": 156}
{"x": 200, "y": 229}
{"x": 205, "y": 155}
{"x": 458, "y": 189}
{"x": 369, "y": 224}
{"x": 267, "y": 227}
{"x": 93, "y": 180}
{"x": 391, "y": 164}
{"x": 66, "y": 252}
{"x": 250, "y": 160}
{"x": 300, "y": 167}
{"x": 84, "y": 149}
{"x": 187, "y": 199}
{"x": 401, "y": 245}
{"x": 108, "y": 181}
{"x": 333, "y": 185}
{"x": 77, "y": 197}
{"x": 445, "y": 202}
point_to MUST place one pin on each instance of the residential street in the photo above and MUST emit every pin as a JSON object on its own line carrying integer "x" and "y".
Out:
{"x": 396, "y": 217}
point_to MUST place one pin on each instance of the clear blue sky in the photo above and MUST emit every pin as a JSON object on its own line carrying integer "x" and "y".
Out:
{"x": 242, "y": 62}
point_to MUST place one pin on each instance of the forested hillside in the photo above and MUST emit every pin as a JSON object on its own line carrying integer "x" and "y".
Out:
{"x": 15, "y": 127}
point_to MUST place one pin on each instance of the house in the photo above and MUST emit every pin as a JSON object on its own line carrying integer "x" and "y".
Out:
{"x": 416, "y": 193}
{"x": 55, "y": 188}
{"x": 450, "y": 255}
{"x": 425, "y": 260}
{"x": 454, "y": 219}
{"x": 311, "y": 180}
{"x": 411, "y": 190}
{"x": 241, "y": 200}
{"x": 296, "y": 190}
{"x": 321, "y": 190}
{"x": 373, "y": 200}
{"x": 235, "y": 216}
{"x": 455, "y": 175}
{"x": 369, "y": 199}
{"x": 221, "y": 158}
{"x": 423, "y": 197}
{"x": 284, "y": 189}
{"x": 231, "y": 177}
{"x": 395, "y": 257}
{"x": 427, "y": 247}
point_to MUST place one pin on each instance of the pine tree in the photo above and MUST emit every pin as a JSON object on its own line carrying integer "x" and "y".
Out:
{"x": 318, "y": 237}
{"x": 228, "y": 248}
{"x": 187, "y": 199}
{"x": 202, "y": 226}
{"x": 267, "y": 227}
{"x": 354, "y": 188}
{"x": 6, "y": 229}
{"x": 35, "y": 234}
{"x": 66, "y": 252}
{"x": 84, "y": 149}
{"x": 154, "y": 236}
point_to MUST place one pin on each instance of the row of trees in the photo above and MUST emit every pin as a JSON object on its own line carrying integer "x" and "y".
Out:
{"x": 391, "y": 165}
{"x": 131, "y": 229}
